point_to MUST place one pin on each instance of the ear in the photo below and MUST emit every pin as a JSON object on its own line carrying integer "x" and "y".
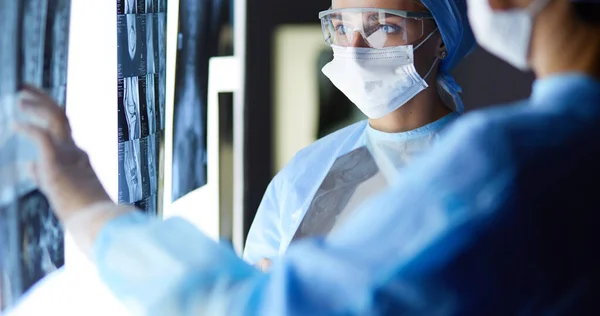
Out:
{"x": 441, "y": 52}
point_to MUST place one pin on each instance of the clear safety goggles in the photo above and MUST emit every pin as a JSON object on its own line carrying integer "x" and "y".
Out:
{"x": 379, "y": 28}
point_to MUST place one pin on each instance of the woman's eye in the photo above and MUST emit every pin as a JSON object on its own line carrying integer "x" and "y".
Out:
{"x": 388, "y": 28}
{"x": 340, "y": 29}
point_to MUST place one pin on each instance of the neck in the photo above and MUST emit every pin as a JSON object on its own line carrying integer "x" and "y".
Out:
{"x": 561, "y": 43}
{"x": 425, "y": 108}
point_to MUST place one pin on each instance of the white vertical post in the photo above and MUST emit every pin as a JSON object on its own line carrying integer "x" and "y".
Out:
{"x": 239, "y": 124}
{"x": 172, "y": 42}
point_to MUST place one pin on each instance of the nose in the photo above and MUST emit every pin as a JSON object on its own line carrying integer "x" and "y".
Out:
{"x": 358, "y": 40}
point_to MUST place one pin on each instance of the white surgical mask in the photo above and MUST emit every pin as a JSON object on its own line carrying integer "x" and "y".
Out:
{"x": 377, "y": 81}
{"x": 506, "y": 34}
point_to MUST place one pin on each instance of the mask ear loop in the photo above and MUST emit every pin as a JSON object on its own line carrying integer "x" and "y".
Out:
{"x": 431, "y": 68}
{"x": 426, "y": 39}
{"x": 436, "y": 58}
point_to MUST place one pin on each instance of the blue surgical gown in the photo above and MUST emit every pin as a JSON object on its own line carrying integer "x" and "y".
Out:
{"x": 500, "y": 218}
{"x": 290, "y": 194}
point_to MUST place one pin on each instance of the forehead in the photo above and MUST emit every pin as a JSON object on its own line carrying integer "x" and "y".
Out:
{"x": 406, "y": 5}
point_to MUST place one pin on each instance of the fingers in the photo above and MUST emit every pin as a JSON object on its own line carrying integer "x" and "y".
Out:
{"x": 40, "y": 137}
{"x": 39, "y": 105}
{"x": 264, "y": 265}
{"x": 36, "y": 93}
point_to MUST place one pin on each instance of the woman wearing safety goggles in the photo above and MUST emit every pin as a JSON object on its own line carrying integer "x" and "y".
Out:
{"x": 391, "y": 59}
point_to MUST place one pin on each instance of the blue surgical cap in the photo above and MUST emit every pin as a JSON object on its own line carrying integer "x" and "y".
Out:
{"x": 453, "y": 23}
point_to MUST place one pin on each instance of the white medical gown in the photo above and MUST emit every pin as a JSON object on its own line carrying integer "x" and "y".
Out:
{"x": 332, "y": 177}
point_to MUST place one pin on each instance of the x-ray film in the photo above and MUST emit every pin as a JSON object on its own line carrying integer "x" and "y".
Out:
{"x": 160, "y": 5}
{"x": 161, "y": 30}
{"x": 148, "y": 205}
{"x": 130, "y": 173}
{"x": 141, "y": 27}
{"x": 150, "y": 6}
{"x": 9, "y": 80}
{"x": 143, "y": 106}
{"x": 42, "y": 238}
{"x": 160, "y": 88}
{"x": 131, "y": 42}
{"x": 144, "y": 160}
{"x": 35, "y": 247}
{"x": 149, "y": 107}
{"x": 56, "y": 50}
{"x": 33, "y": 41}
{"x": 131, "y": 6}
{"x": 34, "y": 38}
{"x": 130, "y": 125}
{"x": 152, "y": 155}
{"x": 151, "y": 44}
{"x": 191, "y": 85}
{"x": 11, "y": 283}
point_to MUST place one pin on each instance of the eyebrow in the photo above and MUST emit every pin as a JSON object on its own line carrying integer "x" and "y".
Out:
{"x": 337, "y": 16}
{"x": 402, "y": 13}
